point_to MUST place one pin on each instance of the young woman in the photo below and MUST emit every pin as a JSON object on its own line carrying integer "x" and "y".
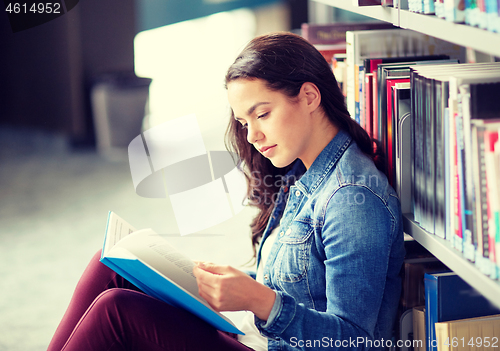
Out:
{"x": 328, "y": 236}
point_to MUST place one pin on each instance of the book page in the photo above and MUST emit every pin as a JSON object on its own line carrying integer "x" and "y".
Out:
{"x": 157, "y": 253}
{"x": 116, "y": 229}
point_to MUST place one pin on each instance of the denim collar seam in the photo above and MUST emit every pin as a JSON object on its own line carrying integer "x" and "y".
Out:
{"x": 332, "y": 164}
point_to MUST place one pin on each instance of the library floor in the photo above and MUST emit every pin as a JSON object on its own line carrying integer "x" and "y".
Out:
{"x": 53, "y": 210}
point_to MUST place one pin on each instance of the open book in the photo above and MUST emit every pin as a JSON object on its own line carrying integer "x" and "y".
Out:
{"x": 149, "y": 262}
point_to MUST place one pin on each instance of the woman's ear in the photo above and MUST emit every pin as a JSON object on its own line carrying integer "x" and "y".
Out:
{"x": 312, "y": 95}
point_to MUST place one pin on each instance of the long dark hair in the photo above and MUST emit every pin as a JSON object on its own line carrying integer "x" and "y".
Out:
{"x": 285, "y": 61}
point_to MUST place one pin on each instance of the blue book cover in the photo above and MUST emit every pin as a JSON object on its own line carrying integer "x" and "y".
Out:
{"x": 149, "y": 262}
{"x": 448, "y": 297}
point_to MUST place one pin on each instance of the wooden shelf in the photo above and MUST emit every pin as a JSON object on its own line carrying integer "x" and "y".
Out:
{"x": 460, "y": 34}
{"x": 443, "y": 250}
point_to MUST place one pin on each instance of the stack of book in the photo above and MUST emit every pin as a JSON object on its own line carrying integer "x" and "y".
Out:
{"x": 456, "y": 163}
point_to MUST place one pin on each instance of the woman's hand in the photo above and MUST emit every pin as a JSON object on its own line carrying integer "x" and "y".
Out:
{"x": 228, "y": 289}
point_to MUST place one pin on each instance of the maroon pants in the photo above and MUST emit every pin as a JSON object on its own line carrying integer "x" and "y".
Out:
{"x": 109, "y": 313}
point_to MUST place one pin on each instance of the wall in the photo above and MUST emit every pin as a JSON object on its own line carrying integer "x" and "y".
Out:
{"x": 46, "y": 71}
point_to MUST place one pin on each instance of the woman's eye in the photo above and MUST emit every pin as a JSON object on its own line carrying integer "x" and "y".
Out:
{"x": 262, "y": 115}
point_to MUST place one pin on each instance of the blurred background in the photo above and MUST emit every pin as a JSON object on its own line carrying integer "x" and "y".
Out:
{"x": 73, "y": 93}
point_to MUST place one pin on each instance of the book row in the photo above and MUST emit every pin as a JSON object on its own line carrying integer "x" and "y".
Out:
{"x": 456, "y": 163}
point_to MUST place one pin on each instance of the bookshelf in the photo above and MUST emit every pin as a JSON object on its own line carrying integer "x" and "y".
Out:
{"x": 459, "y": 34}
{"x": 463, "y": 35}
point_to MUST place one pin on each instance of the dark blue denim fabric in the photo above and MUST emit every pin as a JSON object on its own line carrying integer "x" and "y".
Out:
{"x": 336, "y": 261}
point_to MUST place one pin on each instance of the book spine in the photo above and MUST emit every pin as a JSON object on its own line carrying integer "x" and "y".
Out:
{"x": 491, "y": 15}
{"x": 431, "y": 314}
{"x": 496, "y": 213}
{"x": 493, "y": 196}
{"x": 439, "y": 153}
{"x": 482, "y": 20}
{"x": 443, "y": 337}
{"x": 454, "y": 11}
{"x": 375, "y": 122}
{"x": 470, "y": 230}
{"x": 479, "y": 174}
{"x": 335, "y": 33}
{"x": 357, "y": 69}
{"x": 448, "y": 179}
{"x": 429, "y": 158}
{"x": 416, "y": 147}
{"x": 351, "y": 53}
{"x": 369, "y": 104}
{"x": 459, "y": 243}
{"x": 455, "y": 140}
{"x": 362, "y": 93}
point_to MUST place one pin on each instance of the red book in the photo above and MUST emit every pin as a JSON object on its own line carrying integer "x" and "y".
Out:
{"x": 375, "y": 106}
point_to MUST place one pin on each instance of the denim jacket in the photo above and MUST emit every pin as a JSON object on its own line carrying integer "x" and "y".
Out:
{"x": 336, "y": 261}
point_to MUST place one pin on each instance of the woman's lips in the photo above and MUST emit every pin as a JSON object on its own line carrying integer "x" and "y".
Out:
{"x": 266, "y": 150}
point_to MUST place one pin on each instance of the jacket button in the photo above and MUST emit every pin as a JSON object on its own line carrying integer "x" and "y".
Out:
{"x": 281, "y": 234}
{"x": 266, "y": 277}
{"x": 297, "y": 193}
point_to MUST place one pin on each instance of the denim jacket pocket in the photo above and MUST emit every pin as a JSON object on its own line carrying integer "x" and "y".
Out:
{"x": 294, "y": 252}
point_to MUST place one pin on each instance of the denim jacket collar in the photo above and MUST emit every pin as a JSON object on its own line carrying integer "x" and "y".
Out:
{"x": 323, "y": 164}
{"x": 308, "y": 181}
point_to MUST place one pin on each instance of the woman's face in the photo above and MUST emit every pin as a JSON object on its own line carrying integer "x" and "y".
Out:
{"x": 277, "y": 126}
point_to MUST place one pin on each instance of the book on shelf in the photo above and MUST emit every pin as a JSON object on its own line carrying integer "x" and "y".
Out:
{"x": 402, "y": 144}
{"x": 449, "y": 173}
{"x": 392, "y": 121}
{"x": 330, "y": 40}
{"x": 485, "y": 191}
{"x": 440, "y": 75}
{"x": 475, "y": 95}
{"x": 371, "y": 66}
{"x": 397, "y": 70}
{"x": 339, "y": 70}
{"x": 366, "y": 2}
{"x": 414, "y": 270}
{"x": 368, "y": 96}
{"x": 389, "y": 43}
{"x": 454, "y": 11}
{"x": 419, "y": 329}
{"x": 492, "y": 160}
{"x": 448, "y": 297}
{"x": 334, "y": 33}
{"x": 470, "y": 334}
{"x": 149, "y": 262}
{"x": 478, "y": 13}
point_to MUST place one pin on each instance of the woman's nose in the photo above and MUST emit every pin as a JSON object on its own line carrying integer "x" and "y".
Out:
{"x": 254, "y": 134}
